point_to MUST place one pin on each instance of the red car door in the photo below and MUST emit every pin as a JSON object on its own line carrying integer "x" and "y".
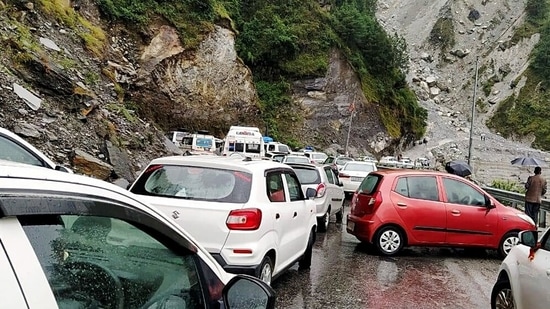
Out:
{"x": 417, "y": 201}
{"x": 469, "y": 221}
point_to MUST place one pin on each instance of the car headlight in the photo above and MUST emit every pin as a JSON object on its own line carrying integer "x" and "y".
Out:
{"x": 526, "y": 218}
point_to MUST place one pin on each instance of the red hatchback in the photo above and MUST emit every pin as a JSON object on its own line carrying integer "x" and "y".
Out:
{"x": 396, "y": 208}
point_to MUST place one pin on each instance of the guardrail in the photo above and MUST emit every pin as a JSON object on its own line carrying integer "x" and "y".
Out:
{"x": 517, "y": 200}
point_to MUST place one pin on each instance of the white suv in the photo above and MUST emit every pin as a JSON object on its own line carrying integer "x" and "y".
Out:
{"x": 523, "y": 277}
{"x": 329, "y": 197}
{"x": 251, "y": 215}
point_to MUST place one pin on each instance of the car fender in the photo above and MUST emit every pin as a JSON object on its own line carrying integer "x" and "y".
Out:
{"x": 268, "y": 241}
{"x": 510, "y": 267}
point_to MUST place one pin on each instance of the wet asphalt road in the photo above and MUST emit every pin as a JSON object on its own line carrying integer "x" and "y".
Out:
{"x": 346, "y": 274}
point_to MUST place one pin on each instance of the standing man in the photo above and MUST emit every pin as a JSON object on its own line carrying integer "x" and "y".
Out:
{"x": 536, "y": 188}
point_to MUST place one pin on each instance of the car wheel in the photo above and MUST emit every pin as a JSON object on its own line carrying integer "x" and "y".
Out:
{"x": 501, "y": 296}
{"x": 509, "y": 240}
{"x": 340, "y": 214}
{"x": 389, "y": 240}
{"x": 266, "y": 270}
{"x": 322, "y": 223}
{"x": 305, "y": 261}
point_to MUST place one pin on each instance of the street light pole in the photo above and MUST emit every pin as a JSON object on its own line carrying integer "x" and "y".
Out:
{"x": 472, "y": 116}
{"x": 349, "y": 130}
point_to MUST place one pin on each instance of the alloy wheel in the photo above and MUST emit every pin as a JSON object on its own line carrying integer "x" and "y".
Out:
{"x": 509, "y": 243}
{"x": 504, "y": 299}
{"x": 266, "y": 273}
{"x": 390, "y": 241}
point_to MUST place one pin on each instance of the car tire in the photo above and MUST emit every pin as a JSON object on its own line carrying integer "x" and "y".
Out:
{"x": 389, "y": 240}
{"x": 509, "y": 240}
{"x": 305, "y": 261}
{"x": 340, "y": 214}
{"x": 322, "y": 222}
{"x": 501, "y": 296}
{"x": 266, "y": 270}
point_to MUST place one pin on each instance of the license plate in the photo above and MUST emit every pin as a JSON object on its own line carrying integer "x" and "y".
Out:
{"x": 357, "y": 179}
{"x": 351, "y": 225}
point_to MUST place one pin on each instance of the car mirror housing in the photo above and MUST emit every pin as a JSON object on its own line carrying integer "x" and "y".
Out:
{"x": 310, "y": 193}
{"x": 489, "y": 203}
{"x": 528, "y": 238}
{"x": 244, "y": 291}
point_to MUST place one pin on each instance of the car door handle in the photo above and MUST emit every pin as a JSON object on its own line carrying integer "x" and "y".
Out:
{"x": 455, "y": 212}
{"x": 401, "y": 204}
{"x": 277, "y": 216}
{"x": 295, "y": 214}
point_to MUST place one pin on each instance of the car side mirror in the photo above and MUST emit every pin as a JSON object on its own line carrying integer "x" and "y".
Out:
{"x": 340, "y": 183}
{"x": 244, "y": 291}
{"x": 311, "y": 193}
{"x": 528, "y": 238}
{"x": 489, "y": 203}
{"x": 63, "y": 169}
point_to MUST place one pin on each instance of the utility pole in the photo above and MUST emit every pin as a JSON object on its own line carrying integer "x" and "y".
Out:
{"x": 352, "y": 110}
{"x": 472, "y": 116}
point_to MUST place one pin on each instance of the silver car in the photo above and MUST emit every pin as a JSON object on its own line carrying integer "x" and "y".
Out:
{"x": 329, "y": 199}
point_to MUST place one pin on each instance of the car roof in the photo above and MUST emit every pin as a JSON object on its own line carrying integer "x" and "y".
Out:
{"x": 399, "y": 172}
{"x": 220, "y": 162}
{"x": 95, "y": 187}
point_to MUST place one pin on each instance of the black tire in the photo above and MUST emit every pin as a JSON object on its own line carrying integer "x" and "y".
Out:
{"x": 322, "y": 222}
{"x": 266, "y": 270}
{"x": 340, "y": 214}
{"x": 509, "y": 240}
{"x": 389, "y": 240}
{"x": 305, "y": 261}
{"x": 501, "y": 296}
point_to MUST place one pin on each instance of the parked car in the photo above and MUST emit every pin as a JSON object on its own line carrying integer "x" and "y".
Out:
{"x": 329, "y": 197}
{"x": 522, "y": 281}
{"x": 394, "y": 208}
{"x": 353, "y": 172}
{"x": 405, "y": 163}
{"x": 277, "y": 157}
{"x": 337, "y": 162}
{"x": 250, "y": 214}
{"x": 316, "y": 157}
{"x": 15, "y": 148}
{"x": 277, "y": 147}
{"x": 70, "y": 241}
{"x": 295, "y": 159}
{"x": 389, "y": 161}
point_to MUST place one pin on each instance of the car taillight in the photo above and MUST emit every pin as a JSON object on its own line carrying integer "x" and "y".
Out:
{"x": 363, "y": 204}
{"x": 244, "y": 219}
{"x": 342, "y": 175}
{"x": 321, "y": 189}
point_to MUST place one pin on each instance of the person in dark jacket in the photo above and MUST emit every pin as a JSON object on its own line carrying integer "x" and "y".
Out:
{"x": 536, "y": 188}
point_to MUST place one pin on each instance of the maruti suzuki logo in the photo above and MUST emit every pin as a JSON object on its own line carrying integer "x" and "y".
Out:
{"x": 175, "y": 214}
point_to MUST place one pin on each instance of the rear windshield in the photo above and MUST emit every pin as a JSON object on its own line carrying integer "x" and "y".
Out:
{"x": 296, "y": 160}
{"x": 359, "y": 167}
{"x": 204, "y": 142}
{"x": 194, "y": 183}
{"x": 369, "y": 184}
{"x": 307, "y": 176}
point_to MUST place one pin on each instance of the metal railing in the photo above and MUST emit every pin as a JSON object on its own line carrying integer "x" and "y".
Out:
{"x": 517, "y": 200}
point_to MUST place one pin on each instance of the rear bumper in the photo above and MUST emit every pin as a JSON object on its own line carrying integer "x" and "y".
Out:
{"x": 253, "y": 270}
{"x": 360, "y": 228}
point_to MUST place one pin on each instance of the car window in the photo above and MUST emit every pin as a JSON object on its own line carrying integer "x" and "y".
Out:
{"x": 420, "y": 187}
{"x": 545, "y": 243}
{"x": 350, "y": 166}
{"x": 369, "y": 184}
{"x": 307, "y": 176}
{"x": 11, "y": 151}
{"x": 330, "y": 175}
{"x": 294, "y": 188}
{"x": 461, "y": 193}
{"x": 195, "y": 183}
{"x": 296, "y": 159}
{"x": 102, "y": 262}
{"x": 275, "y": 188}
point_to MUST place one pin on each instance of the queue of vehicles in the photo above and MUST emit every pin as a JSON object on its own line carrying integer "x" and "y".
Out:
{"x": 261, "y": 216}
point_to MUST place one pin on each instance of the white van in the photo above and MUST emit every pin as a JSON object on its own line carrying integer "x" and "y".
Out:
{"x": 276, "y": 147}
{"x": 244, "y": 140}
{"x": 195, "y": 143}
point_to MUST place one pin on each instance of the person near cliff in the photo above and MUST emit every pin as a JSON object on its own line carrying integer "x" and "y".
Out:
{"x": 536, "y": 188}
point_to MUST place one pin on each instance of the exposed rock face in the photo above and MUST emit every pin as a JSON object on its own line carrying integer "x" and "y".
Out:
{"x": 210, "y": 87}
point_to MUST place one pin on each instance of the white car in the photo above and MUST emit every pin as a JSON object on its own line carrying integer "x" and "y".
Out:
{"x": 16, "y": 149}
{"x": 390, "y": 161}
{"x": 316, "y": 157}
{"x": 250, "y": 214}
{"x": 352, "y": 174}
{"x": 70, "y": 241}
{"x": 329, "y": 197}
{"x": 523, "y": 280}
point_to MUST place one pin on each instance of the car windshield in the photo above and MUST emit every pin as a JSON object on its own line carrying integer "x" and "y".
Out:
{"x": 318, "y": 156}
{"x": 195, "y": 183}
{"x": 296, "y": 159}
{"x": 204, "y": 142}
{"x": 307, "y": 176}
{"x": 359, "y": 167}
{"x": 369, "y": 184}
{"x": 283, "y": 148}
{"x": 342, "y": 161}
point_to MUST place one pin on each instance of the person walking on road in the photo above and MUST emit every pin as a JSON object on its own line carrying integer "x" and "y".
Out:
{"x": 536, "y": 188}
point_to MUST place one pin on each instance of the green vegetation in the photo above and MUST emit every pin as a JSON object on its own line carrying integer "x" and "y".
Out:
{"x": 507, "y": 185}
{"x": 442, "y": 34}
{"x": 529, "y": 112}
